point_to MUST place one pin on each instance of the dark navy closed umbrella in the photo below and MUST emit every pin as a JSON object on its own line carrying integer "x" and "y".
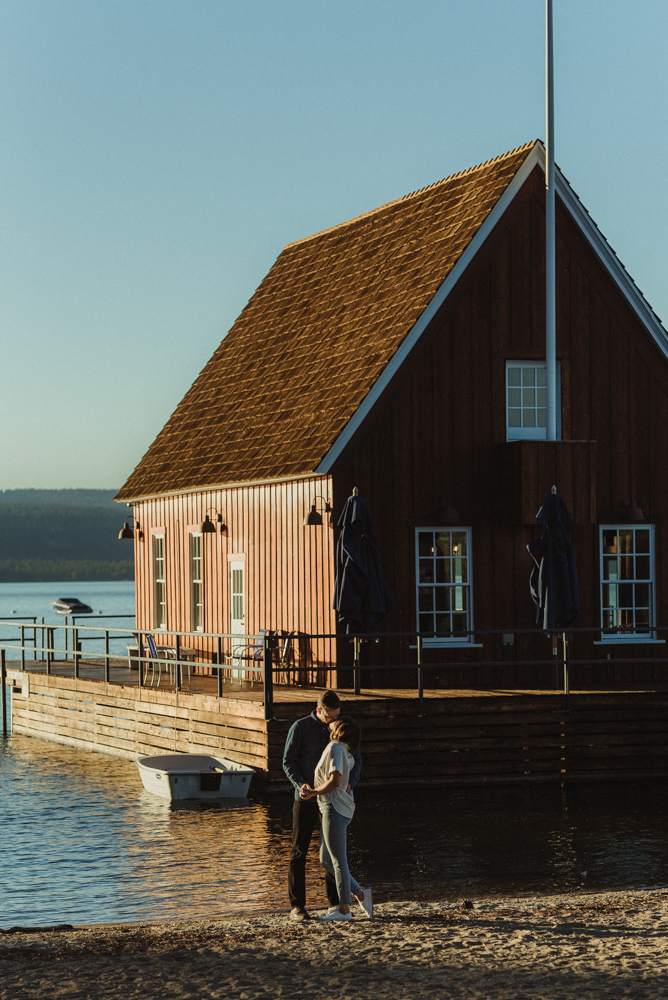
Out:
{"x": 361, "y": 594}
{"x": 554, "y": 578}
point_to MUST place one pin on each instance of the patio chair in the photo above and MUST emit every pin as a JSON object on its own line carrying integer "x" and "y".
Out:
{"x": 281, "y": 655}
{"x": 252, "y": 653}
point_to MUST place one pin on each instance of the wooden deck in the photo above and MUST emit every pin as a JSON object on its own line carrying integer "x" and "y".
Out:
{"x": 463, "y": 737}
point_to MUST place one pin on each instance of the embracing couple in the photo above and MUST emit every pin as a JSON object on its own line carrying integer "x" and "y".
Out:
{"x": 323, "y": 762}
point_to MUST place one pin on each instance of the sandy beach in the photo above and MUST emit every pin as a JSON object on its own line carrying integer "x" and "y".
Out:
{"x": 599, "y": 945}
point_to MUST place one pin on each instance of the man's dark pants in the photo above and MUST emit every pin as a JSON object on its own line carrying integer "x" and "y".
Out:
{"x": 305, "y": 819}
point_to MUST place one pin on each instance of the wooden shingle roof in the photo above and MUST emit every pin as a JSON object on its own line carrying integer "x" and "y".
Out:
{"x": 316, "y": 336}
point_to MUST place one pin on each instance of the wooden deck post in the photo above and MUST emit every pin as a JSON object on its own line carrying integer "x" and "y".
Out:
{"x": 3, "y": 684}
{"x": 268, "y": 677}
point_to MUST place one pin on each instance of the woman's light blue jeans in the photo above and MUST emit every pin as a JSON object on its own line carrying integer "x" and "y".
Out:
{"x": 333, "y": 851}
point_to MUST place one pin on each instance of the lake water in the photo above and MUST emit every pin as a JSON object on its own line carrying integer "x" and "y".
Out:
{"x": 107, "y": 599}
{"x": 82, "y": 842}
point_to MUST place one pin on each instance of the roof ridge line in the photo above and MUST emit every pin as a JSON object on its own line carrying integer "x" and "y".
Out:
{"x": 411, "y": 194}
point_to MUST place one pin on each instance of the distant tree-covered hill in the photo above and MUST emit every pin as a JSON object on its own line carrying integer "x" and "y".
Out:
{"x": 61, "y": 539}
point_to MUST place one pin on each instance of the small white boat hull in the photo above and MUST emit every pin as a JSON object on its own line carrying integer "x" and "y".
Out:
{"x": 194, "y": 776}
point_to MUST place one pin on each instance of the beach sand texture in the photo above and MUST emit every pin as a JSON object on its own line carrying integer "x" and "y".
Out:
{"x": 602, "y": 946}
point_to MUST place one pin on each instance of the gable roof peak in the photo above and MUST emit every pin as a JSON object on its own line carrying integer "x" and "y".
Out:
{"x": 526, "y": 147}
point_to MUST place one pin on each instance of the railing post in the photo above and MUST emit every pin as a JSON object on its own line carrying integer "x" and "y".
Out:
{"x": 267, "y": 678}
{"x": 219, "y": 661}
{"x": 23, "y": 647}
{"x": 106, "y": 655}
{"x": 41, "y": 632}
{"x": 3, "y": 684}
{"x": 356, "y": 665}
{"x": 177, "y": 667}
{"x": 75, "y": 649}
{"x": 420, "y": 672}
{"x": 140, "y": 656}
{"x": 567, "y": 680}
{"x": 49, "y": 644}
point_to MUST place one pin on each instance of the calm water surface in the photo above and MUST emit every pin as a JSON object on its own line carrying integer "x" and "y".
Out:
{"x": 114, "y": 597}
{"x": 81, "y": 841}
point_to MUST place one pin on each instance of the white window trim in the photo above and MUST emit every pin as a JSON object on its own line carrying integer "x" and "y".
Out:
{"x": 191, "y": 536}
{"x": 648, "y": 635}
{"x": 156, "y": 603}
{"x": 530, "y": 433}
{"x": 442, "y": 642}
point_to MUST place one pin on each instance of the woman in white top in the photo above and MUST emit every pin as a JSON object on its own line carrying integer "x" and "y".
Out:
{"x": 337, "y": 807}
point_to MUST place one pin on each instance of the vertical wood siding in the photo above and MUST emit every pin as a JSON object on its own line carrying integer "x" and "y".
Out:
{"x": 437, "y": 435}
{"x": 289, "y": 568}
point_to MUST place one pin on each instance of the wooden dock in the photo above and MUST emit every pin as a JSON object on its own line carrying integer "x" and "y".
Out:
{"x": 463, "y": 737}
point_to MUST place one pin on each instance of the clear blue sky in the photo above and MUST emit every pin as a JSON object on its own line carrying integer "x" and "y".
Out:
{"x": 156, "y": 155}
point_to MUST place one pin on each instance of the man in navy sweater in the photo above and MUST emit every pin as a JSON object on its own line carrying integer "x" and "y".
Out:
{"x": 306, "y": 741}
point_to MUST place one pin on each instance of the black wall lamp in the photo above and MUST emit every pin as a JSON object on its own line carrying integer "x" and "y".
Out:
{"x": 632, "y": 512}
{"x": 208, "y": 526}
{"x": 129, "y": 532}
{"x": 314, "y": 517}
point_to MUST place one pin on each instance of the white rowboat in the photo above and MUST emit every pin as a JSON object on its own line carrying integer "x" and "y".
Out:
{"x": 179, "y": 776}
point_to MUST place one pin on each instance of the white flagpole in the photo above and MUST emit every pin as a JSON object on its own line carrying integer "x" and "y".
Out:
{"x": 550, "y": 262}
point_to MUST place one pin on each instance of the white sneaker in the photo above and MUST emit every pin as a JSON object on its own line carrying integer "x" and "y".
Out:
{"x": 336, "y": 915}
{"x": 366, "y": 903}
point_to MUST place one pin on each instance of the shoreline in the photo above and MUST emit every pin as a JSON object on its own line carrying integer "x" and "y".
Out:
{"x": 593, "y": 944}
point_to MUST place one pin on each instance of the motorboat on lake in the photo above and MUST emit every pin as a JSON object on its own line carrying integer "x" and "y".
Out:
{"x": 177, "y": 776}
{"x": 71, "y": 606}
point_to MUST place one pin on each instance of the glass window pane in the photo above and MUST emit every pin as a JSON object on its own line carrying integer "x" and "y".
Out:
{"x": 641, "y": 595}
{"x": 609, "y": 541}
{"x": 528, "y": 418}
{"x": 442, "y": 598}
{"x": 514, "y": 418}
{"x": 514, "y": 397}
{"x": 425, "y": 543}
{"x": 541, "y": 376}
{"x": 626, "y": 568}
{"x": 426, "y": 623}
{"x": 609, "y": 595}
{"x": 459, "y": 623}
{"x": 625, "y": 536}
{"x": 443, "y": 571}
{"x": 425, "y": 598}
{"x": 459, "y": 543}
{"x": 528, "y": 397}
{"x": 642, "y": 618}
{"x": 541, "y": 397}
{"x": 443, "y": 624}
{"x": 529, "y": 376}
{"x": 443, "y": 543}
{"x": 626, "y": 595}
{"x": 541, "y": 418}
{"x": 642, "y": 540}
{"x": 642, "y": 568}
{"x": 426, "y": 571}
{"x": 609, "y": 567}
{"x": 514, "y": 376}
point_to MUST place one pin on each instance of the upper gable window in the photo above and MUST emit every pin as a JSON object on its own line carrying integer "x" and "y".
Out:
{"x": 526, "y": 401}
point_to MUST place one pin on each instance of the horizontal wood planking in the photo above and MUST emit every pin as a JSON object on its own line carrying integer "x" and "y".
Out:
{"x": 494, "y": 738}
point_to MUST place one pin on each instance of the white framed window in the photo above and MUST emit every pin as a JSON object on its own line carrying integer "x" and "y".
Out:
{"x": 196, "y": 583}
{"x": 526, "y": 401}
{"x": 443, "y": 580}
{"x": 627, "y": 582}
{"x": 159, "y": 583}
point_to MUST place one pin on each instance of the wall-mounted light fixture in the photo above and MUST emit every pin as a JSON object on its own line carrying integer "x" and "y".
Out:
{"x": 208, "y": 526}
{"x": 632, "y": 512}
{"x": 314, "y": 518}
{"x": 129, "y": 532}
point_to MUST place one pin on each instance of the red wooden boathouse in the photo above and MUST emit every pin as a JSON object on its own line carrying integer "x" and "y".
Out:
{"x": 403, "y": 352}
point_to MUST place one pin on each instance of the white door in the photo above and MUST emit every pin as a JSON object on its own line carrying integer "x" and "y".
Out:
{"x": 237, "y": 610}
